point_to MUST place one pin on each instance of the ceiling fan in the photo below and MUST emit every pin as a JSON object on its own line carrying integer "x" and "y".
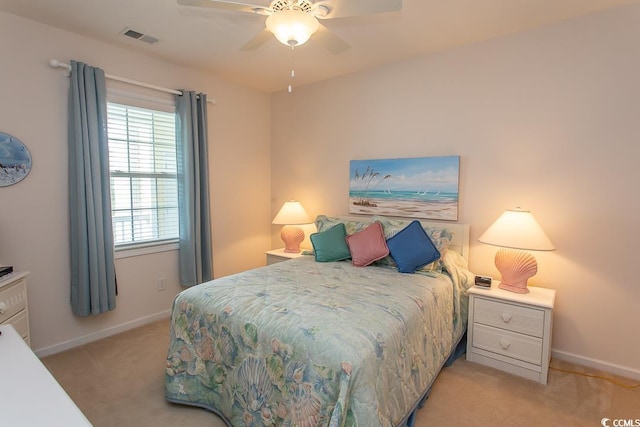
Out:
{"x": 293, "y": 22}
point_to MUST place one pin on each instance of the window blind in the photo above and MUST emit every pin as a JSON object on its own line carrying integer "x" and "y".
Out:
{"x": 142, "y": 163}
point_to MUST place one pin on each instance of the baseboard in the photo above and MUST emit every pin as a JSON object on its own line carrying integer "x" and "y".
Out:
{"x": 66, "y": 345}
{"x": 612, "y": 368}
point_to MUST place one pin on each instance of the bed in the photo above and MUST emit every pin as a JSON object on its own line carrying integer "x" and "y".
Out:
{"x": 308, "y": 343}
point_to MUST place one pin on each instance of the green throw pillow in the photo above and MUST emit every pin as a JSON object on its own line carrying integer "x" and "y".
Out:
{"x": 330, "y": 245}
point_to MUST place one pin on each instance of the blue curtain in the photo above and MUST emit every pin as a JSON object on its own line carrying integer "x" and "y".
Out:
{"x": 193, "y": 189}
{"x": 93, "y": 282}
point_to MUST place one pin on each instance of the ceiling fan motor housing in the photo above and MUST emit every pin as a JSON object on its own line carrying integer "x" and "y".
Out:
{"x": 302, "y": 5}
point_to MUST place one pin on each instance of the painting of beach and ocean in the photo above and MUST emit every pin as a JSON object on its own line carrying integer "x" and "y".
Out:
{"x": 15, "y": 160}
{"x": 421, "y": 187}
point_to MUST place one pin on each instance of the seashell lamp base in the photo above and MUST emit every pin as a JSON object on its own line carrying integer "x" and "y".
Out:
{"x": 292, "y": 236}
{"x": 516, "y": 267}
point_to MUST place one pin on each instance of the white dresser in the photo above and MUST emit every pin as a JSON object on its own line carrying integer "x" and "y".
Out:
{"x": 29, "y": 395}
{"x": 511, "y": 331}
{"x": 14, "y": 309}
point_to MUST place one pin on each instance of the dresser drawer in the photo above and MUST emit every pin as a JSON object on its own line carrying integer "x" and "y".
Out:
{"x": 524, "y": 320}
{"x": 21, "y": 323}
{"x": 521, "y": 347}
{"x": 13, "y": 298}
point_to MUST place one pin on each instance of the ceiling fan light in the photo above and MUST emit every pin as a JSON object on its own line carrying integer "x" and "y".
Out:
{"x": 292, "y": 27}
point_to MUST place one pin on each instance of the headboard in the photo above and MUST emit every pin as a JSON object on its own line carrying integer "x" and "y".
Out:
{"x": 460, "y": 232}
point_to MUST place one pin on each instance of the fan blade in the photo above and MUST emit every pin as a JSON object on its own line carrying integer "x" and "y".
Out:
{"x": 333, "y": 43}
{"x": 258, "y": 40}
{"x": 228, "y": 5}
{"x": 345, "y": 8}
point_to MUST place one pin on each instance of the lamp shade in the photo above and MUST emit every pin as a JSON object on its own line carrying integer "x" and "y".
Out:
{"x": 291, "y": 213}
{"x": 292, "y": 27}
{"x": 517, "y": 229}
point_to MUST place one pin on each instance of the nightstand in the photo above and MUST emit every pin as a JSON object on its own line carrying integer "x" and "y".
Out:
{"x": 511, "y": 331}
{"x": 279, "y": 255}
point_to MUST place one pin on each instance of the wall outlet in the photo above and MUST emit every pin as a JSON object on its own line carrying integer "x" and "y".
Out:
{"x": 162, "y": 284}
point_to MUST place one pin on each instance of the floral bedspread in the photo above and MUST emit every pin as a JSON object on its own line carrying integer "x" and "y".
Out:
{"x": 302, "y": 343}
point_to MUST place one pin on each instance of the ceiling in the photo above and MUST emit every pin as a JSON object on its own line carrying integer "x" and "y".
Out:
{"x": 210, "y": 39}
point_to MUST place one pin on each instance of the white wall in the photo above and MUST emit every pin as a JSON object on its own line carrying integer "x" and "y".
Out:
{"x": 34, "y": 213}
{"x": 546, "y": 119}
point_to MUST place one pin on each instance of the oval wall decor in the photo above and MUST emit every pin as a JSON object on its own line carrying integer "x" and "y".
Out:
{"x": 15, "y": 160}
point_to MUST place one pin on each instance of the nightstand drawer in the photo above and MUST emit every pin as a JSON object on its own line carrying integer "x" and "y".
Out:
{"x": 279, "y": 255}
{"x": 273, "y": 259}
{"x": 521, "y": 347}
{"x": 13, "y": 299}
{"x": 524, "y": 320}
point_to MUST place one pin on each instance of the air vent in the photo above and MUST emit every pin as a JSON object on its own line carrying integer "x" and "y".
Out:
{"x": 138, "y": 36}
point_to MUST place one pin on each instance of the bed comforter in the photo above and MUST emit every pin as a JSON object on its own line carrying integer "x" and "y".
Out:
{"x": 308, "y": 344}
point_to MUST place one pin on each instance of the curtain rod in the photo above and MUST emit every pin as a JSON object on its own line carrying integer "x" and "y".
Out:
{"x": 57, "y": 64}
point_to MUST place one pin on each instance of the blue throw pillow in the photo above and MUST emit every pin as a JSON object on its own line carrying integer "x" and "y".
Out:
{"x": 330, "y": 245}
{"x": 411, "y": 248}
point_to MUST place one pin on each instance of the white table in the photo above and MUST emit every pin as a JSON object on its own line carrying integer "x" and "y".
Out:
{"x": 29, "y": 395}
{"x": 279, "y": 255}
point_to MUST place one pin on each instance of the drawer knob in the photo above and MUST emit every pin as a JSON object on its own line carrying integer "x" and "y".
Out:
{"x": 3, "y": 307}
{"x": 504, "y": 344}
{"x": 506, "y": 317}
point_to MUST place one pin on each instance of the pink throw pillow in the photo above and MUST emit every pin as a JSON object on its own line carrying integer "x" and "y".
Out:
{"x": 368, "y": 245}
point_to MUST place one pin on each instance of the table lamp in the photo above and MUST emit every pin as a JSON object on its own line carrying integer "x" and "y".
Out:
{"x": 291, "y": 214}
{"x": 516, "y": 229}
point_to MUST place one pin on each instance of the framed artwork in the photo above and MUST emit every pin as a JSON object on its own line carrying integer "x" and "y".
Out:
{"x": 15, "y": 160}
{"x": 422, "y": 187}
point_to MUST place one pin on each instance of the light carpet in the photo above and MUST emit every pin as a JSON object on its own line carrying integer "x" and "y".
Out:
{"x": 119, "y": 381}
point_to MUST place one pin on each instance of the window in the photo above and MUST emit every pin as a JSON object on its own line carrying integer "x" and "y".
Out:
{"x": 142, "y": 162}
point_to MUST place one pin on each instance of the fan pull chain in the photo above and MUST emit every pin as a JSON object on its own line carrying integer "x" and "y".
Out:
{"x": 293, "y": 71}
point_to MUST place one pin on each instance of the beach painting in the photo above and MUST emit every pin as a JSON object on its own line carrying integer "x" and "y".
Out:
{"x": 15, "y": 160}
{"x": 421, "y": 187}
